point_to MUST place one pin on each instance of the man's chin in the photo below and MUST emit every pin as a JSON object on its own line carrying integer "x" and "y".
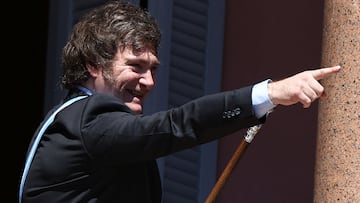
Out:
{"x": 136, "y": 108}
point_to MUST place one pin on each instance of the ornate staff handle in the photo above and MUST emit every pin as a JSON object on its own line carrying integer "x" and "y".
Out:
{"x": 250, "y": 134}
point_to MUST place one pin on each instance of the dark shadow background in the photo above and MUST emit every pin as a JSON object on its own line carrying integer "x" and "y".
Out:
{"x": 24, "y": 31}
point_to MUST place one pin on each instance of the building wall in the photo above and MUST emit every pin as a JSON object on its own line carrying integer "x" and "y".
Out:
{"x": 272, "y": 39}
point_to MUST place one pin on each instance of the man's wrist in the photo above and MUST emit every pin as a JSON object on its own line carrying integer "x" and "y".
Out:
{"x": 262, "y": 103}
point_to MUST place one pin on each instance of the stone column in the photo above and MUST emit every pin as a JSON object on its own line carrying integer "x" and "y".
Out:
{"x": 337, "y": 167}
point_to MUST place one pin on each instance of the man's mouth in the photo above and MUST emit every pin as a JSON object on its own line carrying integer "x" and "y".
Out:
{"x": 137, "y": 94}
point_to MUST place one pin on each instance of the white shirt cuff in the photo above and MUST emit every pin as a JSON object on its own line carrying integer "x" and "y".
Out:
{"x": 260, "y": 99}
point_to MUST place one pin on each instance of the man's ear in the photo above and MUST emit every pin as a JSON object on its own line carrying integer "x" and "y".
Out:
{"x": 94, "y": 71}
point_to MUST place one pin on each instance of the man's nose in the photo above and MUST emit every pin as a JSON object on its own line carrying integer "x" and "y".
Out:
{"x": 147, "y": 79}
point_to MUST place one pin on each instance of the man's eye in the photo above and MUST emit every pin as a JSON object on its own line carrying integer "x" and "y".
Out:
{"x": 139, "y": 68}
{"x": 135, "y": 65}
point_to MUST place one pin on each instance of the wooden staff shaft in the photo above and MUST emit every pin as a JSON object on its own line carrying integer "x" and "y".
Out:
{"x": 227, "y": 171}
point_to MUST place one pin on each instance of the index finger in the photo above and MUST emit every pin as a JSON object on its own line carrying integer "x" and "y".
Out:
{"x": 324, "y": 72}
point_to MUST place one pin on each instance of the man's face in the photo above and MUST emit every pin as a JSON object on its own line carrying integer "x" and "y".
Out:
{"x": 131, "y": 79}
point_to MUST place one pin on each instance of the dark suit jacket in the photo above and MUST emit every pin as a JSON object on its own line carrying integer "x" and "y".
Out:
{"x": 97, "y": 150}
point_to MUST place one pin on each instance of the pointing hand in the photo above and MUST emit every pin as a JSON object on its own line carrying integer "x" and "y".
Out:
{"x": 303, "y": 87}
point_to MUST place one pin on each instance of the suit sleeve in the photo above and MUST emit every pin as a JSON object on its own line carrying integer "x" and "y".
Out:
{"x": 110, "y": 131}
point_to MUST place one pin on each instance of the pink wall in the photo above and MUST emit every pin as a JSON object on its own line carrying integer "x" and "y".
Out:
{"x": 272, "y": 39}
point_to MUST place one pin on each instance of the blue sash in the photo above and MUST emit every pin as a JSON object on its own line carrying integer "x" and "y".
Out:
{"x": 37, "y": 141}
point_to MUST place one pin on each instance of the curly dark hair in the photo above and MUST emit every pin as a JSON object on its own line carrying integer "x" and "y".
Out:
{"x": 103, "y": 31}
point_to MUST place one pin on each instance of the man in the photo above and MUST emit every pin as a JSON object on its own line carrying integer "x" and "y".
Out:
{"x": 98, "y": 147}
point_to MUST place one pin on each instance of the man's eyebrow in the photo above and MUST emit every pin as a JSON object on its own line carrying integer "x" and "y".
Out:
{"x": 143, "y": 60}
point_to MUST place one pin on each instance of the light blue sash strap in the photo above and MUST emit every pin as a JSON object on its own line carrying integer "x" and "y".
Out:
{"x": 37, "y": 141}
